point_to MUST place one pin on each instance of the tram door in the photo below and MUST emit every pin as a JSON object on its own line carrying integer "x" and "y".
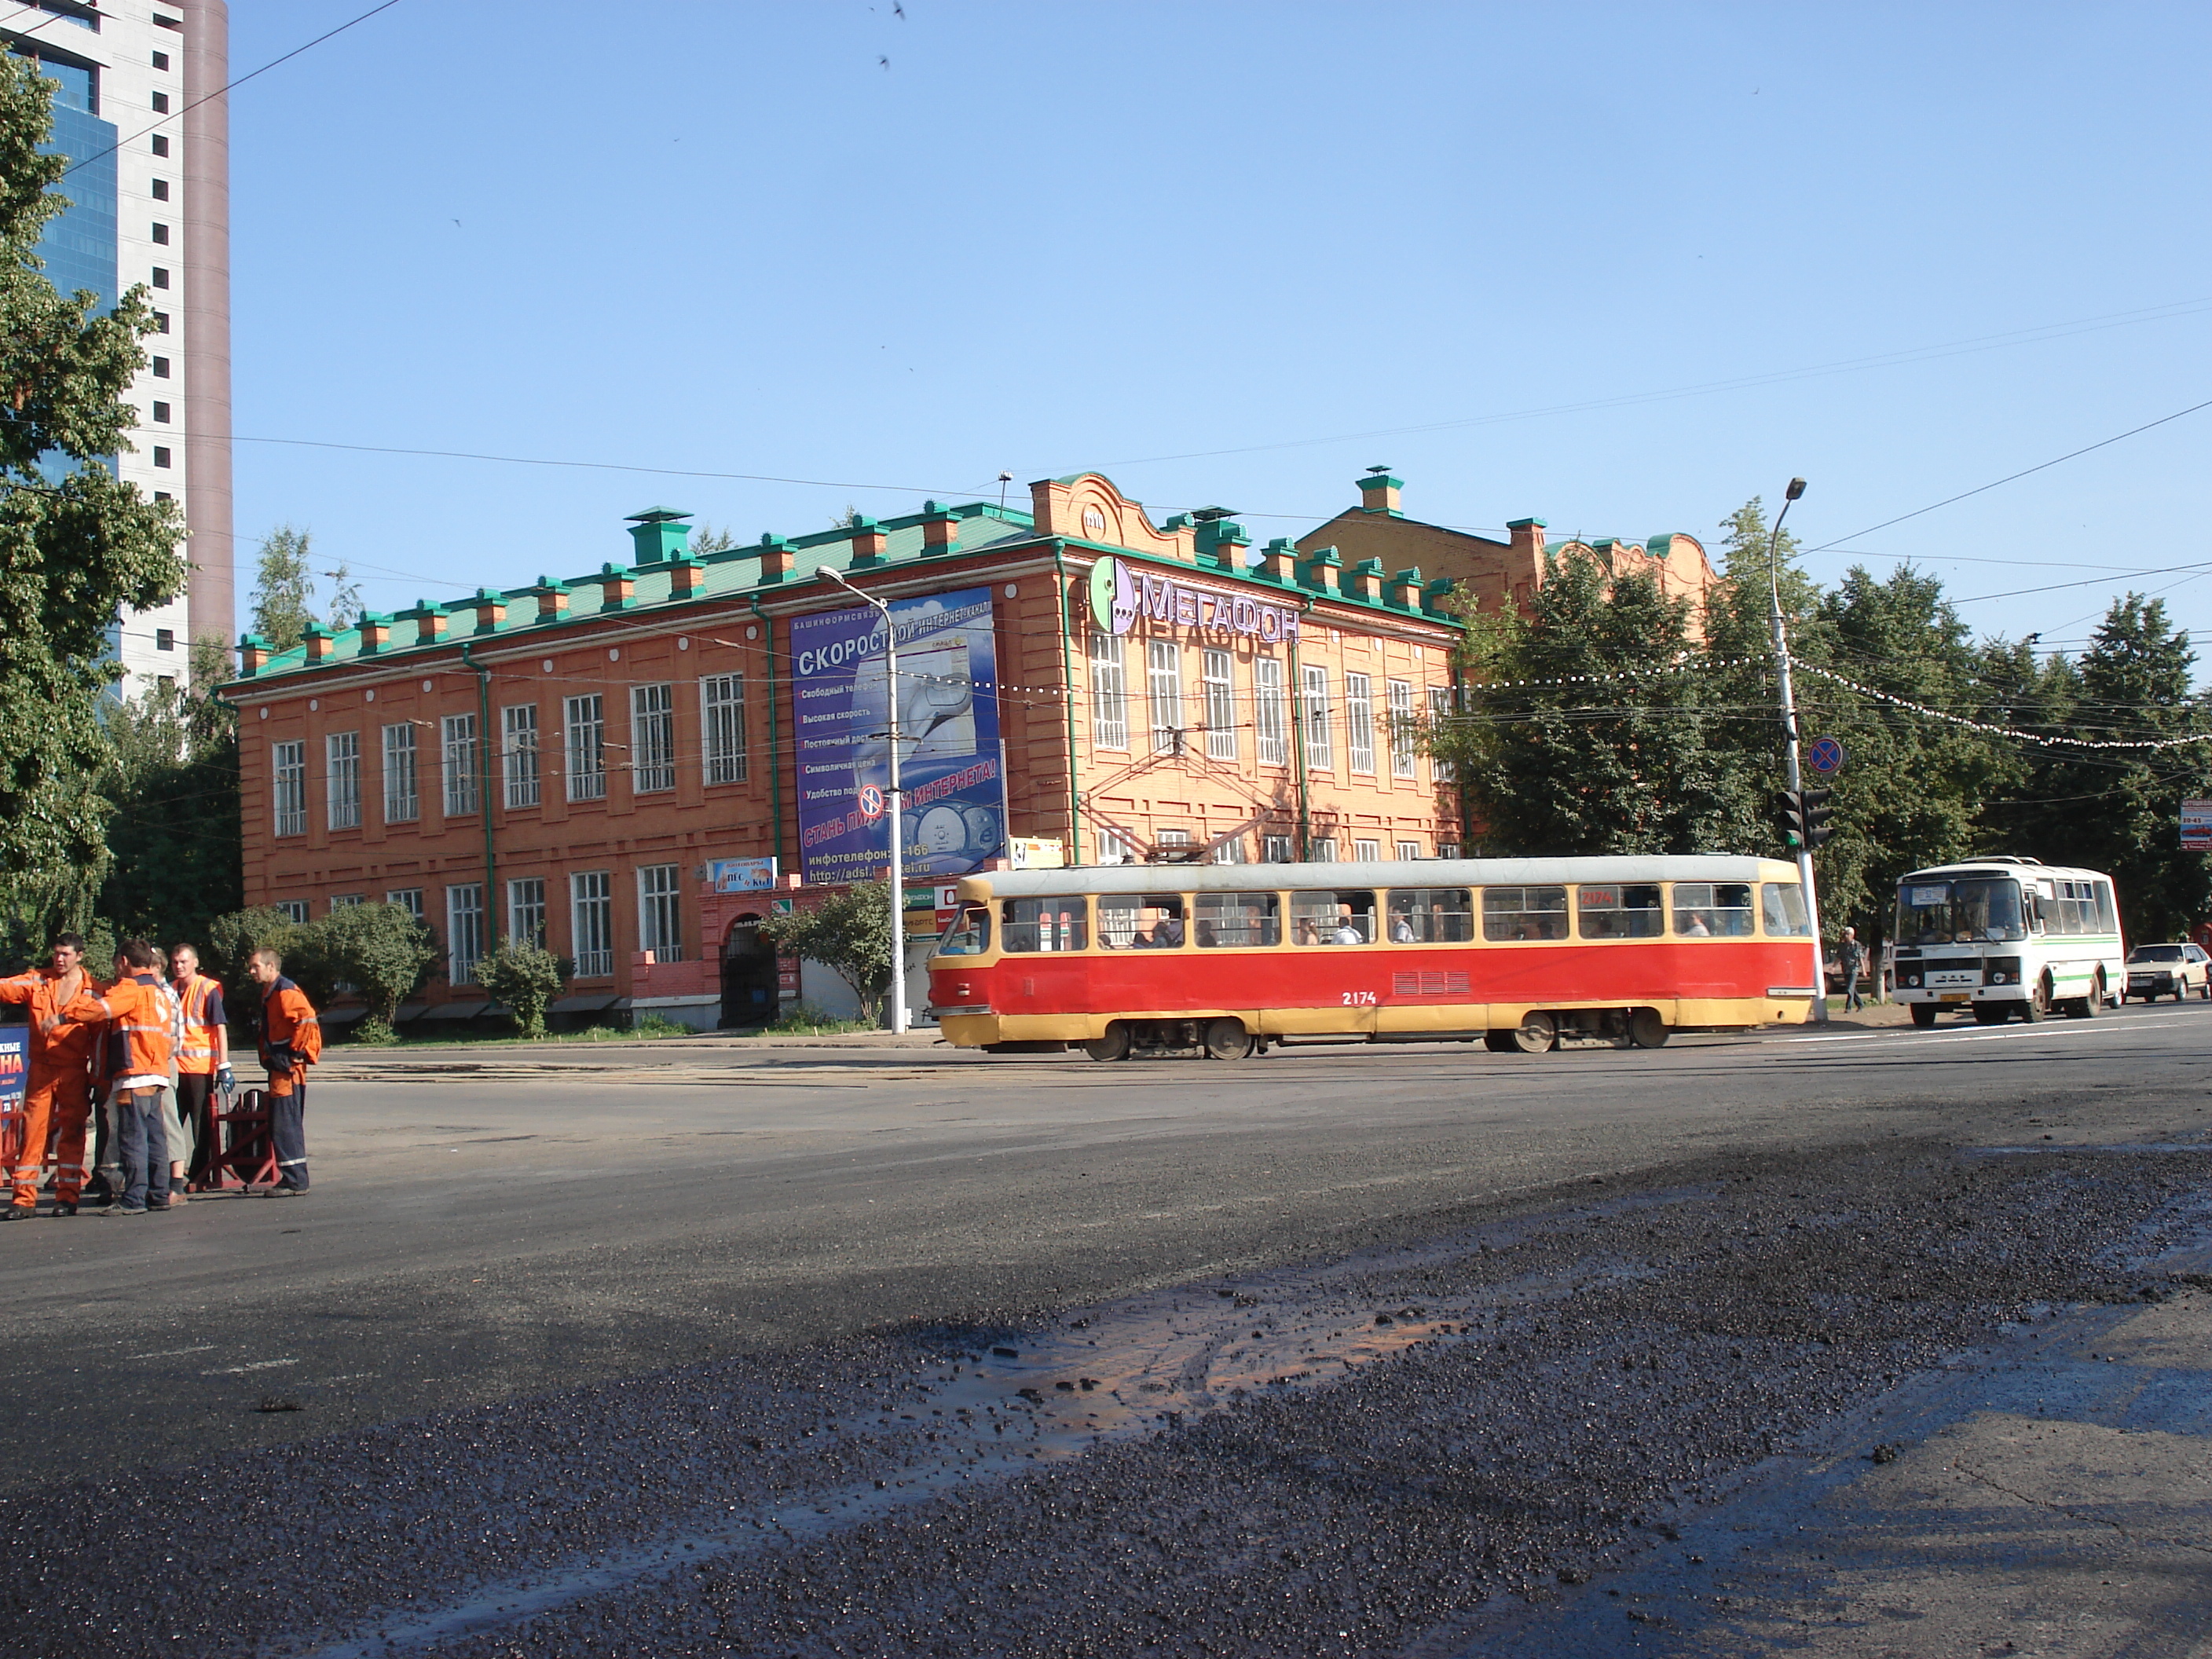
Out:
{"x": 749, "y": 980}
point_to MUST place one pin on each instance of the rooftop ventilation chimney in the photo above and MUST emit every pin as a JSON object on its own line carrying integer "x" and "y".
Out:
{"x": 661, "y": 533}
{"x": 1379, "y": 491}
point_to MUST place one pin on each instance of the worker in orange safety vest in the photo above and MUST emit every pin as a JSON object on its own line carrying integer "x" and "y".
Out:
{"x": 203, "y": 1063}
{"x": 65, "y": 1030}
{"x": 144, "y": 1027}
{"x": 291, "y": 1041}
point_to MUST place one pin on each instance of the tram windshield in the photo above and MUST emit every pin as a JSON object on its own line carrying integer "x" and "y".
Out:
{"x": 1963, "y": 910}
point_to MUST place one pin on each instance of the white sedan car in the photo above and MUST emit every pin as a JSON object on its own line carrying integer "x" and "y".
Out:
{"x": 2174, "y": 970}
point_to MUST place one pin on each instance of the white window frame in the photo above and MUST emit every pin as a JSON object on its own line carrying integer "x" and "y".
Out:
{"x": 457, "y": 764}
{"x": 1114, "y": 847}
{"x": 652, "y": 738}
{"x": 526, "y": 910}
{"x": 1447, "y": 849}
{"x": 1313, "y": 709}
{"x": 1109, "y": 693}
{"x": 592, "y": 923}
{"x": 660, "y": 911}
{"x": 1232, "y": 850}
{"x": 344, "y": 902}
{"x": 1163, "y": 693}
{"x": 403, "y": 799}
{"x": 409, "y": 899}
{"x": 465, "y": 930}
{"x": 518, "y": 746}
{"x": 1440, "y": 702}
{"x": 1408, "y": 851}
{"x": 1271, "y": 725}
{"x": 1365, "y": 851}
{"x": 342, "y": 778}
{"x": 1359, "y": 723}
{"x": 1279, "y": 849}
{"x": 1321, "y": 849}
{"x": 1399, "y": 695}
{"x": 584, "y": 745}
{"x": 287, "y": 787}
{"x": 293, "y": 910}
{"x": 722, "y": 729}
{"x": 1218, "y": 676}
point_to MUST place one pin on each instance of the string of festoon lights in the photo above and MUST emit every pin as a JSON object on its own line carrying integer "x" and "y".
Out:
{"x": 2046, "y": 739}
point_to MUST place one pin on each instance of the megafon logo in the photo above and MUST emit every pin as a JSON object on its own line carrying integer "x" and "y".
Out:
{"x": 1112, "y": 596}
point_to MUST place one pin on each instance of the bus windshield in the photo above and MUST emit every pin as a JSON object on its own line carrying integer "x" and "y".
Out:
{"x": 1964, "y": 911}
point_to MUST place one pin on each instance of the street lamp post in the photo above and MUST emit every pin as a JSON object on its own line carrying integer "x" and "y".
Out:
{"x": 1795, "y": 777}
{"x": 898, "y": 864}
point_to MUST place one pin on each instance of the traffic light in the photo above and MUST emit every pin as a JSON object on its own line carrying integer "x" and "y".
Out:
{"x": 1813, "y": 813}
{"x": 1792, "y": 810}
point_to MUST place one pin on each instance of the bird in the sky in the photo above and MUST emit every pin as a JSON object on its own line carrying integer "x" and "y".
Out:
{"x": 885, "y": 61}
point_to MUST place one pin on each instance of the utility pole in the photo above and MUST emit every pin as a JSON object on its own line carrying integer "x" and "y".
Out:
{"x": 898, "y": 865}
{"x": 1796, "y": 778}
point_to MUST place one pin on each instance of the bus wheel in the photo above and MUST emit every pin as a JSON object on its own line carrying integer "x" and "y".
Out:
{"x": 1227, "y": 1039}
{"x": 2090, "y": 1006}
{"x": 1924, "y": 1014}
{"x": 1991, "y": 1013}
{"x": 1115, "y": 1045}
{"x": 1646, "y": 1030}
{"x": 1535, "y": 1034}
{"x": 2037, "y": 1005}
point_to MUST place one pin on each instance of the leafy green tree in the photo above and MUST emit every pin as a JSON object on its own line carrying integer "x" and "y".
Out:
{"x": 849, "y": 934}
{"x": 284, "y": 587}
{"x": 379, "y": 950}
{"x": 708, "y": 539}
{"x": 527, "y": 978}
{"x": 173, "y": 831}
{"x": 232, "y": 938}
{"x": 77, "y": 545}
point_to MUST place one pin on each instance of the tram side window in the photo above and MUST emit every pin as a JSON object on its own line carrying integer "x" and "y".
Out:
{"x": 1042, "y": 923}
{"x": 1343, "y": 916}
{"x": 1782, "y": 907}
{"x": 1712, "y": 909}
{"x": 1140, "y": 922}
{"x": 1431, "y": 916}
{"x": 1229, "y": 921}
{"x": 1524, "y": 913}
{"x": 969, "y": 932}
{"x": 1633, "y": 911}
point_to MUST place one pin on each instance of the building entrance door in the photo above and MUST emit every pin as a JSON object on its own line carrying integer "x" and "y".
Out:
{"x": 748, "y": 982}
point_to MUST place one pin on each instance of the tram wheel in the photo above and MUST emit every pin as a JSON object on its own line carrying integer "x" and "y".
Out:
{"x": 1115, "y": 1045}
{"x": 1227, "y": 1039}
{"x": 1535, "y": 1034}
{"x": 1500, "y": 1043}
{"x": 1646, "y": 1030}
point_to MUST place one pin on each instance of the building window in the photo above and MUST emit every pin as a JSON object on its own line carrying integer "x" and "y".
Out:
{"x": 652, "y": 738}
{"x": 1220, "y": 706}
{"x": 163, "y": 495}
{"x": 1402, "y": 735}
{"x": 293, "y": 910}
{"x": 587, "y": 722}
{"x": 401, "y": 803}
{"x": 1270, "y": 712}
{"x": 160, "y": 276}
{"x": 409, "y": 899}
{"x": 1359, "y": 722}
{"x": 1314, "y": 710}
{"x": 160, "y": 322}
{"x": 161, "y": 410}
{"x": 162, "y": 237}
{"x": 288, "y": 768}
{"x": 1275, "y": 849}
{"x": 160, "y": 103}
{"x": 1164, "y": 682}
{"x": 1447, "y": 849}
{"x": 1321, "y": 851}
{"x": 165, "y": 639}
{"x": 1230, "y": 849}
{"x": 1114, "y": 847}
{"x": 342, "y": 754}
{"x": 1409, "y": 849}
{"x": 1110, "y": 694}
{"x": 160, "y": 60}
{"x": 659, "y": 911}
{"x": 518, "y": 750}
{"x": 161, "y": 143}
{"x": 464, "y": 920}
{"x": 460, "y": 768}
{"x": 526, "y": 911}
{"x": 592, "y": 922}
{"x": 343, "y": 901}
{"x": 162, "y": 192}
{"x": 1175, "y": 838}
{"x": 160, "y": 456}
{"x": 160, "y": 369}
{"x": 1367, "y": 852}
{"x": 1440, "y": 698}
{"x": 166, "y": 683}
{"x": 722, "y": 727}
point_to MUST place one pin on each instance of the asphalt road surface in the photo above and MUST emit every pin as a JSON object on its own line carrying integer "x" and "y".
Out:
{"x": 701, "y": 1348}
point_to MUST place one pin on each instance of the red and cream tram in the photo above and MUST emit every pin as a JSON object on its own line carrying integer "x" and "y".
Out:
{"x": 1221, "y": 959}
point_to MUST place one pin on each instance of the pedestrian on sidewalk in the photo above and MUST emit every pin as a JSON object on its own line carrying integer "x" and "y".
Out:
{"x": 291, "y": 1041}
{"x": 58, "y": 1102}
{"x": 1851, "y": 957}
{"x": 143, "y": 1027}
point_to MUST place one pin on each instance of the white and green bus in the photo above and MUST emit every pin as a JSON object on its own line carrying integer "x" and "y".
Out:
{"x": 2004, "y": 937}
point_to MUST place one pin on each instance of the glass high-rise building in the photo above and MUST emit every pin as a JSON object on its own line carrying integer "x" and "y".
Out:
{"x": 140, "y": 111}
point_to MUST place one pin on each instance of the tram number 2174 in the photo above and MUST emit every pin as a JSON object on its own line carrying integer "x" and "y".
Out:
{"x": 1359, "y": 999}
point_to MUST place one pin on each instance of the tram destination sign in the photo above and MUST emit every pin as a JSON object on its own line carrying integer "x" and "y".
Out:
{"x": 2197, "y": 826}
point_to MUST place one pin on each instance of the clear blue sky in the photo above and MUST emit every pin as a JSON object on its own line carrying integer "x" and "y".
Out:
{"x": 1209, "y": 249}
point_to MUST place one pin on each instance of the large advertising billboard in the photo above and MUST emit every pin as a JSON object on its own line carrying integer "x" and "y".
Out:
{"x": 949, "y": 764}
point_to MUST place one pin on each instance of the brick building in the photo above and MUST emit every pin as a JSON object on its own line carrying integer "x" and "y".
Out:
{"x": 586, "y": 761}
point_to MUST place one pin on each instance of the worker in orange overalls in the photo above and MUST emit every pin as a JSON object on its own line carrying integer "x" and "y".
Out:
{"x": 144, "y": 1027}
{"x": 203, "y": 1064}
{"x": 291, "y": 1041}
{"x": 65, "y": 1022}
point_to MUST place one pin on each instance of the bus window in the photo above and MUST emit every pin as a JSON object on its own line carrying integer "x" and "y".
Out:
{"x": 1431, "y": 916}
{"x": 1781, "y": 908}
{"x": 1140, "y": 922}
{"x": 1227, "y": 921}
{"x": 1712, "y": 909}
{"x": 1623, "y": 912}
{"x": 1966, "y": 911}
{"x": 1344, "y": 917}
{"x": 2108, "y": 920}
{"x": 1511, "y": 913}
{"x": 969, "y": 932}
{"x": 1042, "y": 923}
